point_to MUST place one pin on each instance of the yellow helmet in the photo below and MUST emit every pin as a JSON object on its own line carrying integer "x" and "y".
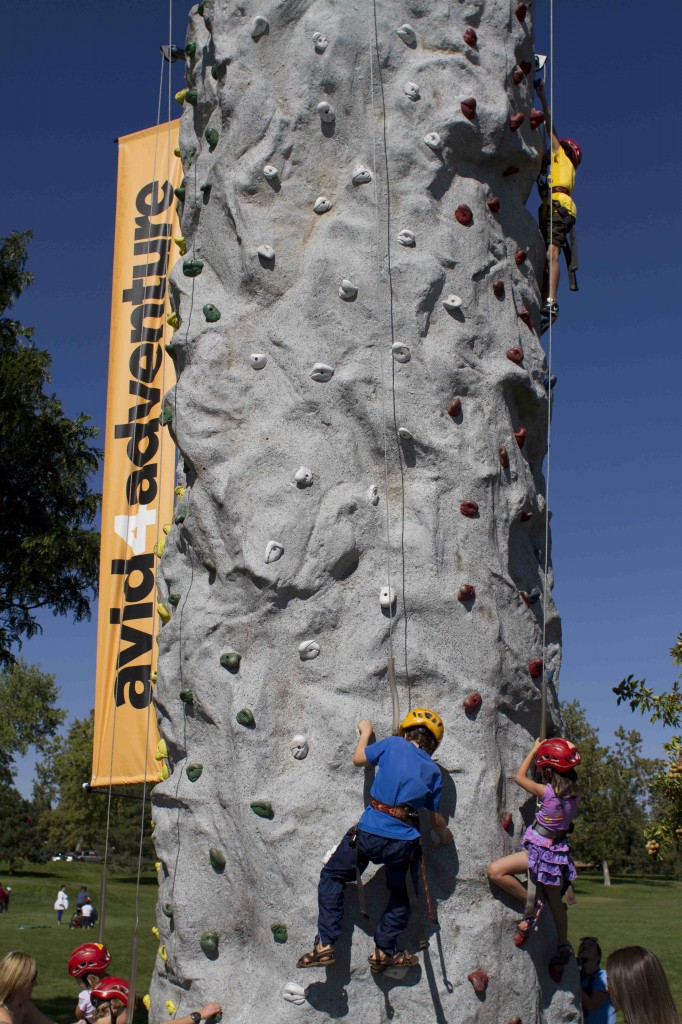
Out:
{"x": 424, "y": 716}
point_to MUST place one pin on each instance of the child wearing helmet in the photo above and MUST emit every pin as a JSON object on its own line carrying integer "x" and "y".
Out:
{"x": 387, "y": 833}
{"x": 88, "y": 963}
{"x": 545, "y": 854}
{"x": 110, "y": 1000}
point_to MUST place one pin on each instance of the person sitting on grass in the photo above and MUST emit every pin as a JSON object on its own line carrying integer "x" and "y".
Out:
{"x": 388, "y": 834}
{"x": 88, "y": 963}
{"x": 18, "y": 978}
{"x": 597, "y": 1007}
{"x": 638, "y": 987}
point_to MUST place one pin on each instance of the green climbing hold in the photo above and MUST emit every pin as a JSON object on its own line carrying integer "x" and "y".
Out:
{"x": 190, "y": 49}
{"x": 279, "y": 932}
{"x": 245, "y": 717}
{"x": 171, "y": 350}
{"x": 174, "y": 599}
{"x": 189, "y": 156}
{"x": 181, "y": 515}
{"x": 205, "y": 188}
{"x": 230, "y": 660}
{"x": 263, "y": 808}
{"x": 166, "y": 415}
{"x": 192, "y": 268}
{"x": 209, "y": 564}
{"x": 194, "y": 771}
{"x": 192, "y": 97}
{"x": 211, "y": 135}
{"x": 217, "y": 858}
{"x": 218, "y": 68}
{"x": 187, "y": 695}
{"x": 209, "y": 943}
{"x": 168, "y": 909}
{"x": 180, "y": 193}
{"x": 212, "y": 313}
{"x": 200, "y": 10}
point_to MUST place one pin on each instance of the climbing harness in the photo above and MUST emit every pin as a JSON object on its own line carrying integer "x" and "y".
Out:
{"x": 401, "y": 811}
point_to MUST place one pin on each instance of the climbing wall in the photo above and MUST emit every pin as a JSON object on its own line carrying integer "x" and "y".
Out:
{"x": 361, "y": 411}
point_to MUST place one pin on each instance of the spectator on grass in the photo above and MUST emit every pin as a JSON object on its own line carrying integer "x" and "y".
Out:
{"x": 61, "y": 903}
{"x": 597, "y": 1007}
{"x": 18, "y": 978}
{"x": 638, "y": 987}
{"x": 82, "y": 896}
{"x": 88, "y": 914}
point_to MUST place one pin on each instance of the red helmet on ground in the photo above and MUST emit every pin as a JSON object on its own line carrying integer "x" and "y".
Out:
{"x": 561, "y": 755}
{"x": 572, "y": 151}
{"x": 107, "y": 989}
{"x": 91, "y": 958}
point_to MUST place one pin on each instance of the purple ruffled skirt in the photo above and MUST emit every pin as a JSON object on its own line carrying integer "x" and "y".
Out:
{"x": 548, "y": 863}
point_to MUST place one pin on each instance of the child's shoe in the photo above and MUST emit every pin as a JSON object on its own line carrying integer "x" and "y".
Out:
{"x": 559, "y": 961}
{"x": 548, "y": 314}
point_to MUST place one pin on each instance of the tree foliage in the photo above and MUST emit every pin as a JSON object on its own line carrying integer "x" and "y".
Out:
{"x": 48, "y": 551}
{"x": 19, "y": 835}
{"x": 29, "y": 717}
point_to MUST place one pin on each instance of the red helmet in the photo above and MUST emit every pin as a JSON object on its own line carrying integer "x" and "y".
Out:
{"x": 561, "y": 755}
{"x": 92, "y": 958}
{"x": 572, "y": 151}
{"x": 107, "y": 989}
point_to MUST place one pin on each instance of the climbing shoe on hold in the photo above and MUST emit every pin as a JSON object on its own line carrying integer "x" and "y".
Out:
{"x": 548, "y": 314}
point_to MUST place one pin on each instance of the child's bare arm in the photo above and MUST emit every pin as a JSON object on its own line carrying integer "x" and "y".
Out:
{"x": 439, "y": 826}
{"x": 521, "y": 777}
{"x": 365, "y": 729}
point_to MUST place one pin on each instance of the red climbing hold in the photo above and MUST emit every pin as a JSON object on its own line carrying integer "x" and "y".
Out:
{"x": 515, "y": 1020}
{"x": 468, "y": 108}
{"x": 503, "y": 456}
{"x": 520, "y": 436}
{"x": 516, "y": 121}
{"x": 507, "y": 821}
{"x": 526, "y": 517}
{"x": 467, "y": 592}
{"x": 517, "y": 75}
{"x": 525, "y": 316}
{"x": 515, "y": 355}
{"x": 525, "y": 66}
{"x": 472, "y": 703}
{"x": 463, "y": 214}
{"x": 535, "y": 668}
{"x": 510, "y": 170}
{"x": 523, "y": 594}
{"x": 520, "y": 257}
{"x": 521, "y": 11}
{"x": 479, "y": 979}
{"x": 455, "y": 407}
{"x": 536, "y": 118}
{"x": 469, "y": 509}
{"x": 498, "y": 289}
{"x": 494, "y": 204}
{"x": 470, "y": 37}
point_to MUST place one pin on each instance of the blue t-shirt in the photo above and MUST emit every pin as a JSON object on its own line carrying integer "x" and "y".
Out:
{"x": 604, "y": 1014}
{"x": 405, "y": 775}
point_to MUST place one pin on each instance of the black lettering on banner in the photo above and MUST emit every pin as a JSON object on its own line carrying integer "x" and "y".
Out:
{"x": 157, "y": 205}
{"x": 145, "y": 361}
{"x": 134, "y": 676}
{"x": 140, "y": 643}
{"x": 141, "y": 486}
{"x": 139, "y": 432}
{"x": 142, "y": 564}
{"x": 152, "y": 397}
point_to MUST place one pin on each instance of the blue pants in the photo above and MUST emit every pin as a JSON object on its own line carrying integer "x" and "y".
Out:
{"x": 398, "y": 855}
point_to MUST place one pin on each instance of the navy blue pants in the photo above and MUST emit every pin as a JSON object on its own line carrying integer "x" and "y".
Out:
{"x": 398, "y": 855}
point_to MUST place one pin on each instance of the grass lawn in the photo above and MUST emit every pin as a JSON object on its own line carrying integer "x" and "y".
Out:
{"x": 31, "y": 925}
{"x": 640, "y": 911}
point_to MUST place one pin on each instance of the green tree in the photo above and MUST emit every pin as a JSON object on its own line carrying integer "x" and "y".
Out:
{"x": 19, "y": 836}
{"x": 48, "y": 550}
{"x": 30, "y": 717}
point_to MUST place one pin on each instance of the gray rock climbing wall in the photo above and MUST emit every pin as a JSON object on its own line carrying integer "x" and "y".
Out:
{"x": 346, "y": 204}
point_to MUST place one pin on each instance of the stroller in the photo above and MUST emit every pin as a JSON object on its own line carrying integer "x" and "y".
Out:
{"x": 79, "y": 920}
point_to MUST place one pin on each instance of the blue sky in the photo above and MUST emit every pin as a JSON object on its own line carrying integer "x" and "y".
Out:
{"x": 75, "y": 76}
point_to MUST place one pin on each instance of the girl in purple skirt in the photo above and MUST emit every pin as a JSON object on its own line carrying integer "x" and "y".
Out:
{"x": 545, "y": 854}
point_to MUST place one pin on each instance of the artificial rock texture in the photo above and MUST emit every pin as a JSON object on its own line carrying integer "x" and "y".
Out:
{"x": 243, "y": 434}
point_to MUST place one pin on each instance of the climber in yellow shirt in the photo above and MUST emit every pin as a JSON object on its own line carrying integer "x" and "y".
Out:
{"x": 556, "y": 228}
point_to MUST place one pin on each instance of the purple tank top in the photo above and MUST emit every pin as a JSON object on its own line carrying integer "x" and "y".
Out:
{"x": 556, "y": 813}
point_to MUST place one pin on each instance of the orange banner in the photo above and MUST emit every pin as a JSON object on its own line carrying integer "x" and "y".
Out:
{"x": 139, "y": 457}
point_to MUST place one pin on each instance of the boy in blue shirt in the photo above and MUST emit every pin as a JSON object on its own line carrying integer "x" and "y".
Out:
{"x": 388, "y": 834}
{"x": 597, "y": 1006}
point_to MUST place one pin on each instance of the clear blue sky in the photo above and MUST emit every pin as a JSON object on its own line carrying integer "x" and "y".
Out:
{"x": 75, "y": 76}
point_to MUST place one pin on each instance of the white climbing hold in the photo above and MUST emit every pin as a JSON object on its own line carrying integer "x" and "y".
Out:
{"x": 299, "y": 746}
{"x": 407, "y": 237}
{"x": 322, "y": 373}
{"x": 259, "y": 26}
{"x": 361, "y": 175}
{"x": 347, "y": 290}
{"x": 321, "y": 42}
{"x": 386, "y": 597}
{"x": 294, "y": 993}
{"x": 308, "y": 649}
{"x": 433, "y": 140}
{"x": 258, "y": 360}
{"x": 452, "y": 302}
{"x": 326, "y": 112}
{"x": 266, "y": 252}
{"x": 373, "y": 494}
{"x": 407, "y": 34}
{"x": 411, "y": 90}
{"x": 304, "y": 477}
{"x": 404, "y": 433}
{"x": 270, "y": 172}
{"x": 322, "y": 204}
{"x": 401, "y": 352}
{"x": 273, "y": 551}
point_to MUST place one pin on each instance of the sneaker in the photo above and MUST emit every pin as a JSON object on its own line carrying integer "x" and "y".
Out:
{"x": 548, "y": 314}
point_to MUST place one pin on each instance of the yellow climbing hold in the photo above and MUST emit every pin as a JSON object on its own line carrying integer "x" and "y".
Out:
{"x": 161, "y": 750}
{"x": 158, "y": 865}
{"x": 181, "y": 244}
{"x": 180, "y": 491}
{"x": 173, "y": 320}
{"x": 146, "y": 1002}
{"x": 177, "y": 152}
{"x": 164, "y": 773}
{"x": 155, "y": 676}
{"x": 163, "y": 954}
{"x": 164, "y": 613}
{"x": 159, "y": 546}
{"x": 167, "y": 527}
{"x": 181, "y": 96}
{"x": 155, "y": 933}
{"x": 171, "y": 1008}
